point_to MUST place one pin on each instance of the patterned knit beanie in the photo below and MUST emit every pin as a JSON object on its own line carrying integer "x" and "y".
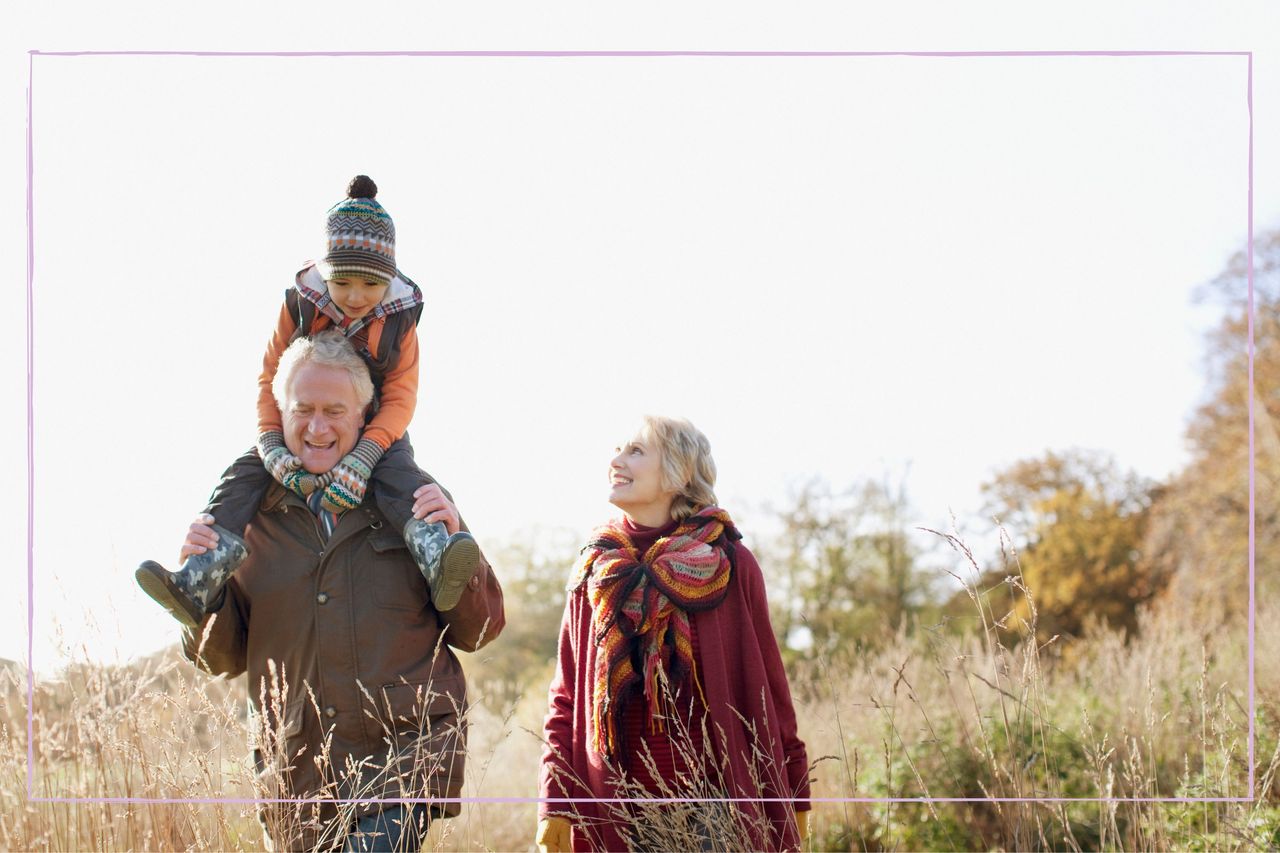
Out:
{"x": 361, "y": 236}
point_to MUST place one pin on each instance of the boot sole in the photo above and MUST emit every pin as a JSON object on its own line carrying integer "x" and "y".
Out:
{"x": 457, "y": 565}
{"x": 155, "y": 582}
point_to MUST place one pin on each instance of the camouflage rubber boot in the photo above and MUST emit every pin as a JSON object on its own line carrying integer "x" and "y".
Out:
{"x": 447, "y": 562}
{"x": 187, "y": 593}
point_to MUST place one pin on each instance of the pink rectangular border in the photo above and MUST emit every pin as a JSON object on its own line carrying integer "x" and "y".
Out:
{"x": 622, "y": 54}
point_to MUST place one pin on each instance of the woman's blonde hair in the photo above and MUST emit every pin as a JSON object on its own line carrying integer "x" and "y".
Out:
{"x": 687, "y": 466}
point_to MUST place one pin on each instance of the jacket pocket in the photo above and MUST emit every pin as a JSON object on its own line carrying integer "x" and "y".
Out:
{"x": 424, "y": 728}
{"x": 396, "y": 582}
{"x": 279, "y": 749}
{"x": 286, "y": 768}
{"x": 409, "y": 707}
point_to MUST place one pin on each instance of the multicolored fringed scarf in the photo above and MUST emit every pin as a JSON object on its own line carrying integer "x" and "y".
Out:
{"x": 640, "y": 611}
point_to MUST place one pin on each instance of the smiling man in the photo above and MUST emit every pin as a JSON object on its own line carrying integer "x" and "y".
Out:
{"x": 320, "y": 415}
{"x": 356, "y": 691}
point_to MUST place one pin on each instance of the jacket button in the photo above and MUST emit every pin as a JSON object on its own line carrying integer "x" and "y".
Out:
{"x": 331, "y": 712}
{"x": 323, "y": 598}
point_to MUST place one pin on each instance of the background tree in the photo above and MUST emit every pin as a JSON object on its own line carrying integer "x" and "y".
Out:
{"x": 1078, "y": 523}
{"x": 849, "y": 572}
{"x": 534, "y": 570}
{"x": 1199, "y": 532}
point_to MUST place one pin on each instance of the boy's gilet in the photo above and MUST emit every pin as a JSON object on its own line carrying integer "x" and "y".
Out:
{"x": 395, "y": 326}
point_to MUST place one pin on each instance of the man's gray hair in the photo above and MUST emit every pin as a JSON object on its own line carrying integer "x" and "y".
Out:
{"x": 329, "y": 348}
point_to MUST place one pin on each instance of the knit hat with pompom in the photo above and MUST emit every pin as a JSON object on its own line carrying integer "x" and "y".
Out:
{"x": 361, "y": 236}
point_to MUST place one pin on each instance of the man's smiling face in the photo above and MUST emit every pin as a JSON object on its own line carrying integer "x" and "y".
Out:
{"x": 322, "y": 416}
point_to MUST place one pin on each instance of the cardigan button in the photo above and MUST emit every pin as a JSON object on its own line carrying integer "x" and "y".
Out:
{"x": 331, "y": 712}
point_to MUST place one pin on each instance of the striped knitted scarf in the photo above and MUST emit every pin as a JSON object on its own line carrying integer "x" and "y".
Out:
{"x": 640, "y": 607}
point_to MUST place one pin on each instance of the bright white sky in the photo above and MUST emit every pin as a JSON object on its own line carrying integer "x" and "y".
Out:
{"x": 834, "y": 266}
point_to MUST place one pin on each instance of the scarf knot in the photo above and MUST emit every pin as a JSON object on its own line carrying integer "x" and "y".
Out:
{"x": 640, "y": 606}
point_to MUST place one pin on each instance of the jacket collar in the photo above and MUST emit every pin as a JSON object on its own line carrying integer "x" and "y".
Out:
{"x": 402, "y": 294}
{"x": 280, "y": 499}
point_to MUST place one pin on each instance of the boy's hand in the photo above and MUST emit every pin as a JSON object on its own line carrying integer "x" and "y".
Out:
{"x": 351, "y": 477}
{"x": 276, "y": 457}
{"x": 430, "y": 504}
{"x": 303, "y": 483}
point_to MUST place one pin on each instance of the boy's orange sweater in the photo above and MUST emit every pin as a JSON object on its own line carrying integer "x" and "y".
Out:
{"x": 399, "y": 388}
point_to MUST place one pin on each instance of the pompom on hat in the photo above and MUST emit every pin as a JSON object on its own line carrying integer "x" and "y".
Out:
{"x": 361, "y": 236}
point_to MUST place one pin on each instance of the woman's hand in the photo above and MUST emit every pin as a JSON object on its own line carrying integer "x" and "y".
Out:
{"x": 430, "y": 504}
{"x": 553, "y": 835}
{"x": 200, "y": 537}
{"x": 802, "y": 824}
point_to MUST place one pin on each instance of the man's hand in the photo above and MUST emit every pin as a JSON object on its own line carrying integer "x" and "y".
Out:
{"x": 200, "y": 537}
{"x": 430, "y": 504}
{"x": 553, "y": 835}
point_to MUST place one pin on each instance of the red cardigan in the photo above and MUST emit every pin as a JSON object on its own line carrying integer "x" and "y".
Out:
{"x": 740, "y": 668}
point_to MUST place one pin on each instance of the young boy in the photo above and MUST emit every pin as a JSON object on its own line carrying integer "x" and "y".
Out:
{"x": 357, "y": 289}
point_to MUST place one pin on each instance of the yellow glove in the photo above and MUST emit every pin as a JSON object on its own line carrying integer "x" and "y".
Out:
{"x": 802, "y": 823}
{"x": 553, "y": 835}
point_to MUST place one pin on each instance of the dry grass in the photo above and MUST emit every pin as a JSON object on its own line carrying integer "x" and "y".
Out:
{"x": 984, "y": 712}
{"x": 946, "y": 711}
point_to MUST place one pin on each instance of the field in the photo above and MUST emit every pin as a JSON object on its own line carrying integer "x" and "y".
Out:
{"x": 943, "y": 711}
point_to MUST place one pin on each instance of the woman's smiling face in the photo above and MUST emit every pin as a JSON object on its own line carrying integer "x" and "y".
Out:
{"x": 635, "y": 482}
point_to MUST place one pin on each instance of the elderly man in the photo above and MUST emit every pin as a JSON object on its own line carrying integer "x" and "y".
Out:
{"x": 358, "y": 695}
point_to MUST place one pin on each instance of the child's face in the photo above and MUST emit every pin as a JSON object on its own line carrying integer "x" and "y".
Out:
{"x": 356, "y": 296}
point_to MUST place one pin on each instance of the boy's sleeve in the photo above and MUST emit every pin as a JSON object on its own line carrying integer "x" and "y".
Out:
{"x": 399, "y": 395}
{"x": 269, "y": 419}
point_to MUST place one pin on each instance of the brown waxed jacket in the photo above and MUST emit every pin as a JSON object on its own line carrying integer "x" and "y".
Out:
{"x": 356, "y": 691}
